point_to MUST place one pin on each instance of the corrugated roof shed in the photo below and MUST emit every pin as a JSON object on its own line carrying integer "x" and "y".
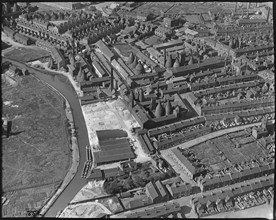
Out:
{"x": 109, "y": 134}
{"x": 111, "y": 142}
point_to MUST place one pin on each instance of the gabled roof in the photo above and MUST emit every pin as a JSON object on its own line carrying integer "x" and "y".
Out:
{"x": 152, "y": 192}
{"x": 160, "y": 188}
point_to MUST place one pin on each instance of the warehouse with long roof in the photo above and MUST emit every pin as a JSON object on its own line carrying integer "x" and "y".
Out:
{"x": 114, "y": 146}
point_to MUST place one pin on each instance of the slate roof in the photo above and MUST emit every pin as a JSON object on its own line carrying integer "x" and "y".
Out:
{"x": 184, "y": 160}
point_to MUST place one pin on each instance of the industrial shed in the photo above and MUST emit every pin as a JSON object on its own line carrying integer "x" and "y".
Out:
{"x": 110, "y": 134}
{"x": 114, "y": 147}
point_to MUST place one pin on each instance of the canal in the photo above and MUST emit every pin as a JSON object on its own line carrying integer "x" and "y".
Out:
{"x": 62, "y": 85}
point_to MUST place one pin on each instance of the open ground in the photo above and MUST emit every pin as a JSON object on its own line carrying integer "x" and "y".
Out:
{"x": 37, "y": 153}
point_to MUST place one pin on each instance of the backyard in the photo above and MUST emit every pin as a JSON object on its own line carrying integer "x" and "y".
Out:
{"x": 144, "y": 173}
{"x": 220, "y": 153}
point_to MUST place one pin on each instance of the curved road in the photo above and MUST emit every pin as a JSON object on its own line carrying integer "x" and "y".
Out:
{"x": 65, "y": 89}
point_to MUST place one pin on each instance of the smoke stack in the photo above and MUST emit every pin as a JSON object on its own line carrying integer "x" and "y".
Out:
{"x": 165, "y": 57}
{"x": 268, "y": 13}
{"x": 248, "y": 5}
{"x": 236, "y": 5}
{"x": 111, "y": 80}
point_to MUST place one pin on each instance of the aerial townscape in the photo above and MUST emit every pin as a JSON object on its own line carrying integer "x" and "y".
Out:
{"x": 138, "y": 109}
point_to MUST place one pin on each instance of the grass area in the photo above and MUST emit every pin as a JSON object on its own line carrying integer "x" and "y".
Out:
{"x": 23, "y": 54}
{"x": 37, "y": 152}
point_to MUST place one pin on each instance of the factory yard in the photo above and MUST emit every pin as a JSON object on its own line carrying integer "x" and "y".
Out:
{"x": 111, "y": 115}
{"x": 36, "y": 156}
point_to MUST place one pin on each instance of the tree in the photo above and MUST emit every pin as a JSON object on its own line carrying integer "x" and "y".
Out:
{"x": 128, "y": 184}
{"x": 111, "y": 187}
{"x": 138, "y": 181}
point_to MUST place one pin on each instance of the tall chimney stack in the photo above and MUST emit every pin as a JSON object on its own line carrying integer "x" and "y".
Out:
{"x": 268, "y": 13}
{"x": 111, "y": 80}
{"x": 165, "y": 58}
{"x": 236, "y": 5}
{"x": 248, "y": 5}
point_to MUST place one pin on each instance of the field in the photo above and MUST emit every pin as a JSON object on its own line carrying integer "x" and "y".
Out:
{"x": 37, "y": 152}
{"x": 24, "y": 54}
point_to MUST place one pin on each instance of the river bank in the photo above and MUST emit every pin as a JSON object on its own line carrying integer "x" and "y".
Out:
{"x": 75, "y": 155}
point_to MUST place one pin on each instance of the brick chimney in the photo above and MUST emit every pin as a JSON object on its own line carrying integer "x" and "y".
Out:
{"x": 236, "y": 4}
{"x": 268, "y": 13}
{"x": 165, "y": 58}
